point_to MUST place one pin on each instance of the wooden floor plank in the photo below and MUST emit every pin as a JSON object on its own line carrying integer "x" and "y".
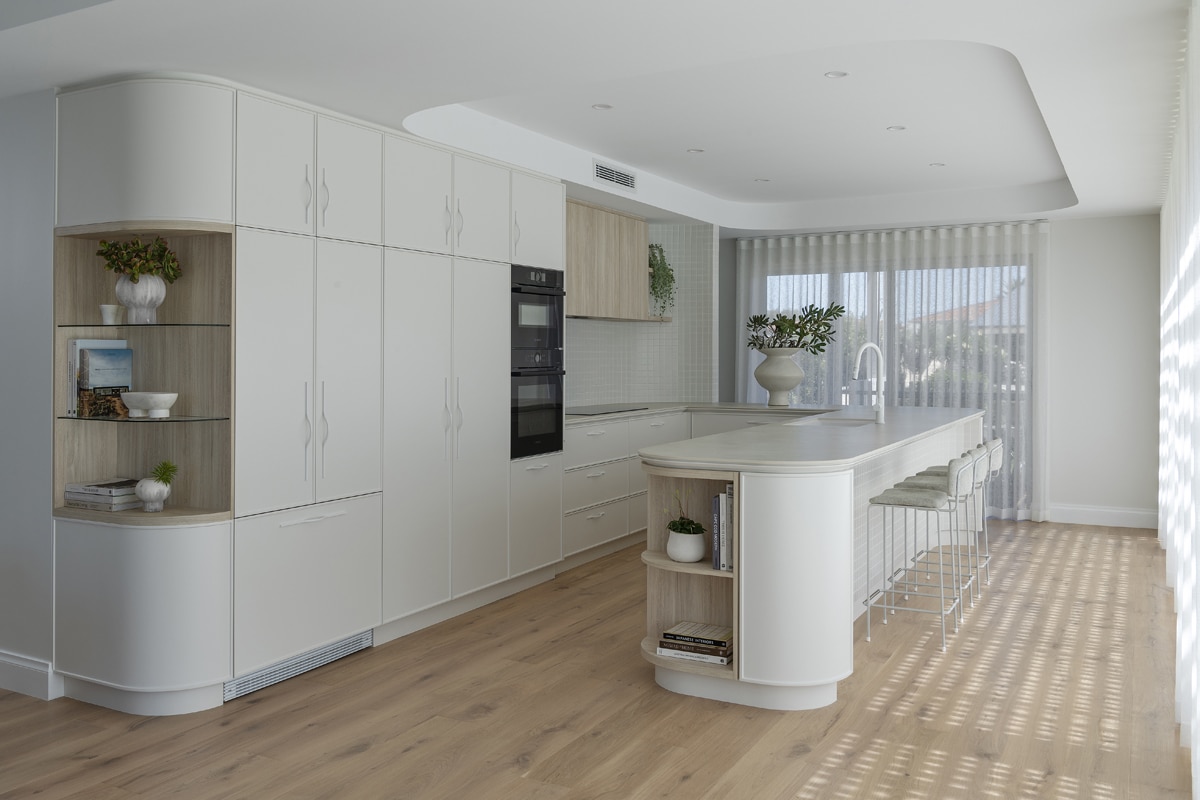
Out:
{"x": 1059, "y": 685}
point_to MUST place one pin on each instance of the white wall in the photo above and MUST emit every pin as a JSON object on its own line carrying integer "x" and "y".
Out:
{"x": 614, "y": 362}
{"x": 1100, "y": 343}
{"x": 27, "y": 136}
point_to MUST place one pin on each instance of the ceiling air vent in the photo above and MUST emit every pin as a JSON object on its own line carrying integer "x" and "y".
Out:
{"x": 609, "y": 174}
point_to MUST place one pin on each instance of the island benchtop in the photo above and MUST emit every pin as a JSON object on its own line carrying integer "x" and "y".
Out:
{"x": 817, "y": 443}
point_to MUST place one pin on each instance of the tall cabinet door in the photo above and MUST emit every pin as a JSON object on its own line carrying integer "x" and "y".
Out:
{"x": 417, "y": 433}
{"x": 479, "y": 516}
{"x": 276, "y": 181}
{"x": 348, "y": 386}
{"x": 273, "y": 401}
{"x": 481, "y": 209}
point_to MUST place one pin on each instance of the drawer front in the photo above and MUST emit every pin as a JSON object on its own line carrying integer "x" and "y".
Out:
{"x": 638, "y": 512}
{"x": 639, "y": 481}
{"x": 594, "y": 526}
{"x": 591, "y": 444}
{"x": 648, "y": 431}
{"x": 589, "y": 486}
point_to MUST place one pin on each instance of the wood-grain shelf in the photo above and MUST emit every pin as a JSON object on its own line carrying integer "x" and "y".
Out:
{"x": 703, "y": 567}
{"x": 170, "y": 515}
{"x": 650, "y": 653}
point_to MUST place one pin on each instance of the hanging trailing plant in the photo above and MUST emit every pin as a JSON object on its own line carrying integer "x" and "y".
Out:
{"x": 662, "y": 281}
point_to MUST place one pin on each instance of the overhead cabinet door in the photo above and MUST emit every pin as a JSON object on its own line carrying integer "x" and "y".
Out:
{"x": 276, "y": 178}
{"x": 349, "y": 181}
{"x": 538, "y": 221}
{"x": 419, "y": 186}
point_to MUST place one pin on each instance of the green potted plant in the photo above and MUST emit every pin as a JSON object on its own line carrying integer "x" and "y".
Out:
{"x": 781, "y": 337}
{"x": 685, "y": 538}
{"x": 155, "y": 490}
{"x": 144, "y": 269}
{"x": 662, "y": 281}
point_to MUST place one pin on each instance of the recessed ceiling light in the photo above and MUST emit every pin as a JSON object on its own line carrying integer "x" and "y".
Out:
{"x": 762, "y": 180}
{"x": 896, "y": 128}
{"x": 695, "y": 150}
{"x": 936, "y": 164}
{"x": 836, "y": 73}
{"x": 601, "y": 106}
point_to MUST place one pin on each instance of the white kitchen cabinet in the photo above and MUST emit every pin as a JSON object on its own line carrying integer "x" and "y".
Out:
{"x": 534, "y": 513}
{"x": 304, "y": 578}
{"x": 440, "y": 202}
{"x": 146, "y": 149}
{"x": 538, "y": 226}
{"x": 446, "y": 453}
{"x": 303, "y": 173}
{"x": 307, "y": 404}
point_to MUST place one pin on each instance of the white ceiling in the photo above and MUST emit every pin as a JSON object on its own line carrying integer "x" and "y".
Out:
{"x": 1036, "y": 108}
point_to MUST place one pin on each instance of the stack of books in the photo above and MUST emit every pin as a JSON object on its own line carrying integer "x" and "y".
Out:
{"x": 110, "y": 494}
{"x": 696, "y": 641}
{"x": 722, "y": 524}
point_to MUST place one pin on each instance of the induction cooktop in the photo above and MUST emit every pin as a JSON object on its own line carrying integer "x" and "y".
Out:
{"x": 607, "y": 408}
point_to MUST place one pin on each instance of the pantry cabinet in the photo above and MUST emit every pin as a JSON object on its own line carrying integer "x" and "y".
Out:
{"x": 446, "y": 459}
{"x": 307, "y": 403}
{"x": 304, "y": 173}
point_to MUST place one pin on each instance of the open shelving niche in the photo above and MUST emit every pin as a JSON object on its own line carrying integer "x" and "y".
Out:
{"x": 678, "y": 592}
{"x": 189, "y": 351}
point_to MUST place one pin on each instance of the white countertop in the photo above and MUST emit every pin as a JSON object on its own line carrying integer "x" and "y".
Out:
{"x": 785, "y": 413}
{"x": 816, "y": 443}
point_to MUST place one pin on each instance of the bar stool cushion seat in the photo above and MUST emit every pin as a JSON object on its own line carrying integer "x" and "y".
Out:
{"x": 912, "y": 497}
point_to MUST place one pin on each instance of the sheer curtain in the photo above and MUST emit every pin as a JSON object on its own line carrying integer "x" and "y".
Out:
{"x": 951, "y": 308}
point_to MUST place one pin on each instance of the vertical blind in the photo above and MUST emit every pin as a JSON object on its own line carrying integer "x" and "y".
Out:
{"x": 951, "y": 308}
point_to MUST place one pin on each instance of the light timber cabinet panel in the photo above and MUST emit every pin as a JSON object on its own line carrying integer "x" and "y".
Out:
{"x": 607, "y": 263}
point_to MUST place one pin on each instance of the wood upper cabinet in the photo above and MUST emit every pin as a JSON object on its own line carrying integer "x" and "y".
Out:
{"x": 439, "y": 202}
{"x": 607, "y": 263}
{"x": 146, "y": 149}
{"x": 300, "y": 173}
{"x": 538, "y": 221}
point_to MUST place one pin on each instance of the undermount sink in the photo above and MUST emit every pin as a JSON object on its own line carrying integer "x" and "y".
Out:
{"x": 837, "y": 422}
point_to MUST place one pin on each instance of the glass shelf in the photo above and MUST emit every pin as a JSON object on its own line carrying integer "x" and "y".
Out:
{"x": 145, "y": 420}
{"x": 154, "y": 325}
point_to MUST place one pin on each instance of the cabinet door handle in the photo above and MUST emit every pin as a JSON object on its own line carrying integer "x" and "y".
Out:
{"x": 324, "y": 429}
{"x": 599, "y": 474}
{"x": 324, "y": 198}
{"x": 516, "y": 233}
{"x": 458, "y": 209}
{"x": 458, "y": 415}
{"x": 657, "y": 424}
{"x": 307, "y": 431}
{"x": 449, "y": 218}
{"x": 536, "y": 467}
{"x": 308, "y": 192}
{"x": 595, "y": 516}
{"x": 311, "y": 520}
{"x": 596, "y": 433}
{"x": 757, "y": 423}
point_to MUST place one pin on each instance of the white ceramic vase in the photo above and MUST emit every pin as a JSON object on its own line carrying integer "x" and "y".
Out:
{"x": 779, "y": 374}
{"x": 685, "y": 547}
{"x": 152, "y": 493}
{"x": 141, "y": 299}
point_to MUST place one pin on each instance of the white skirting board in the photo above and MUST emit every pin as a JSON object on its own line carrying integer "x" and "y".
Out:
{"x": 29, "y": 676}
{"x": 1101, "y": 515}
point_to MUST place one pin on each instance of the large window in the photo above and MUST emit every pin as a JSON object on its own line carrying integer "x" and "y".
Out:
{"x": 950, "y": 307}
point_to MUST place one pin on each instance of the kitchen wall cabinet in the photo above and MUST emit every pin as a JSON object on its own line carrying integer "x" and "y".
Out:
{"x": 538, "y": 211}
{"x": 304, "y": 578}
{"x": 308, "y": 371}
{"x": 446, "y": 388}
{"x": 304, "y": 173}
{"x": 535, "y": 513}
{"x": 440, "y": 202}
{"x": 607, "y": 264}
{"x": 143, "y": 150}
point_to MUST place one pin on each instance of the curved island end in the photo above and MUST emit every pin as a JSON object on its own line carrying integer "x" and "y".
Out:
{"x": 798, "y": 538}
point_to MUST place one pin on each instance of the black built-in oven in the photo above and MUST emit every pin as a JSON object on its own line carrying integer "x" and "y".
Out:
{"x": 537, "y": 402}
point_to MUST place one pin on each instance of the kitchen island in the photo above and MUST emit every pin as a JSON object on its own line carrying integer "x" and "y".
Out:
{"x": 800, "y": 498}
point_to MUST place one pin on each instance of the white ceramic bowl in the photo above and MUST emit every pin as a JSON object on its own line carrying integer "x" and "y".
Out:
{"x": 149, "y": 404}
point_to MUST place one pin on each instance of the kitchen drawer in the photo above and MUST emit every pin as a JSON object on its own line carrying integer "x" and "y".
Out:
{"x": 638, "y": 512}
{"x": 593, "y": 443}
{"x": 594, "y": 526}
{"x": 598, "y": 483}
{"x": 639, "y": 481}
{"x": 648, "y": 431}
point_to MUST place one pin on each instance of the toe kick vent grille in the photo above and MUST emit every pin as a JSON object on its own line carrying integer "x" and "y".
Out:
{"x": 606, "y": 173}
{"x": 297, "y": 664}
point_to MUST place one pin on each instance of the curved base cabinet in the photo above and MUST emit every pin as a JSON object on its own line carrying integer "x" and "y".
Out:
{"x": 142, "y": 614}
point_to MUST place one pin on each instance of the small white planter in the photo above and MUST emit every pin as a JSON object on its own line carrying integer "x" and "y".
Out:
{"x": 152, "y": 493}
{"x": 141, "y": 299}
{"x": 685, "y": 547}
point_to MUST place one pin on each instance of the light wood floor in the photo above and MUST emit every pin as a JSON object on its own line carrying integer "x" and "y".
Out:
{"x": 1058, "y": 686}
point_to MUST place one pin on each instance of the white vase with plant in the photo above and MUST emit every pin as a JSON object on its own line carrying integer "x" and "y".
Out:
{"x": 155, "y": 490}
{"x": 144, "y": 270}
{"x": 685, "y": 538}
{"x": 780, "y": 338}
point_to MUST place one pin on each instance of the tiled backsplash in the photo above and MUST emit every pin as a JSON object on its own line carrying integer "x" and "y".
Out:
{"x": 616, "y": 362}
